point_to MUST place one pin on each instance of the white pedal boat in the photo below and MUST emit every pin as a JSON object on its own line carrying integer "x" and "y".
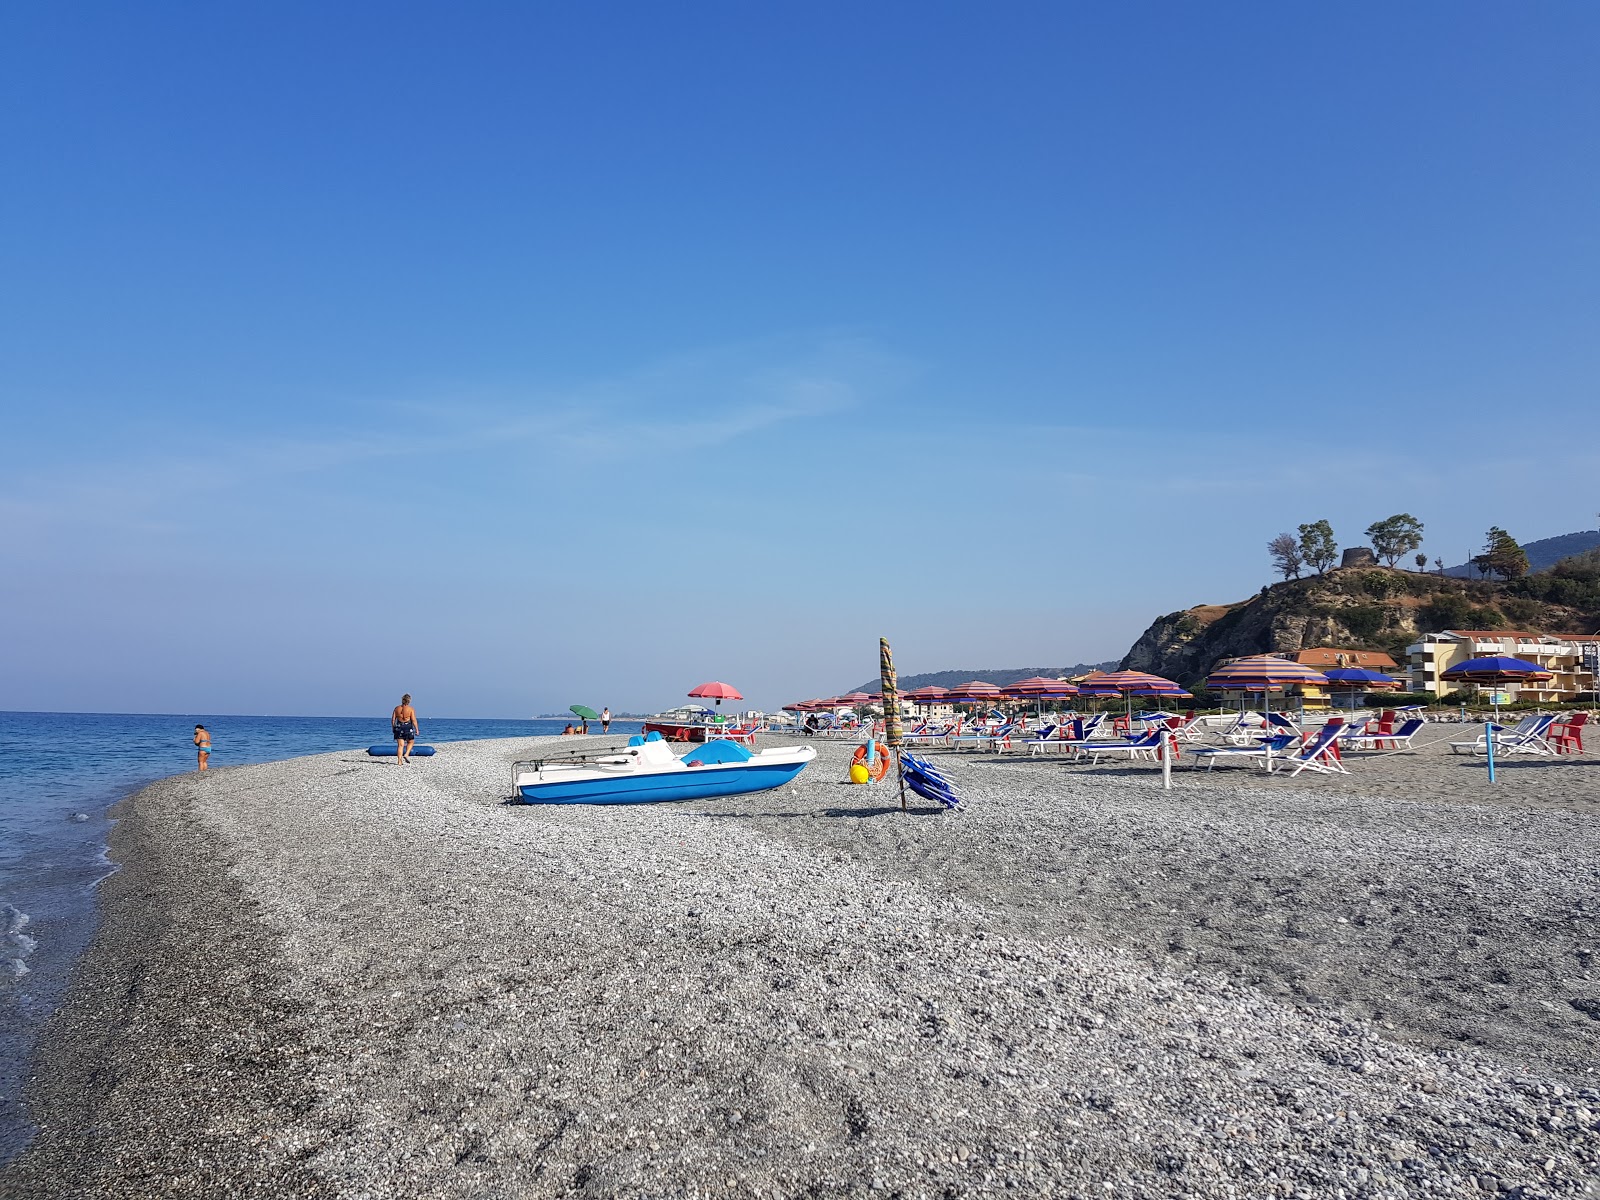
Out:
{"x": 646, "y": 771}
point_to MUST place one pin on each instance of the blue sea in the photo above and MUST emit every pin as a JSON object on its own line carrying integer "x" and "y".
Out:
{"x": 59, "y": 773}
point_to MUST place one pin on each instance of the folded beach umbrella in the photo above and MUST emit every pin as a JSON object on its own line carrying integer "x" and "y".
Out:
{"x": 716, "y": 691}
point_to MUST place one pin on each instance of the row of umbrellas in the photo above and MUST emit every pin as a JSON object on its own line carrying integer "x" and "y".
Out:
{"x": 1255, "y": 673}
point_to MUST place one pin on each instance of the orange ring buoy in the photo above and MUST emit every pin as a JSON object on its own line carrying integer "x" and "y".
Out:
{"x": 860, "y": 756}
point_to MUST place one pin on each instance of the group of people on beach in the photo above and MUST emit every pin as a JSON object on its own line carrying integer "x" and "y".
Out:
{"x": 605, "y": 724}
{"x": 402, "y": 724}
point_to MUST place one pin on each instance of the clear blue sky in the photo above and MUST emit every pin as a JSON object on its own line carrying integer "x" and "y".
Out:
{"x": 519, "y": 355}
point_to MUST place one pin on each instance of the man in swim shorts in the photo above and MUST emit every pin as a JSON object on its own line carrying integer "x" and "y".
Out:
{"x": 403, "y": 722}
{"x": 202, "y": 746}
{"x": 605, "y": 720}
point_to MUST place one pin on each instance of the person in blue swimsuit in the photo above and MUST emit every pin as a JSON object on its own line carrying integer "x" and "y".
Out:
{"x": 202, "y": 746}
{"x": 404, "y": 723}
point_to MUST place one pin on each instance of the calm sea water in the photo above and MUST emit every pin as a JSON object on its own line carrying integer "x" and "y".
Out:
{"x": 59, "y": 772}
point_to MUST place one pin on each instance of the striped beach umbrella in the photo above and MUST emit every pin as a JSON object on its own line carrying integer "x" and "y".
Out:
{"x": 1264, "y": 673}
{"x": 975, "y": 691}
{"x": 1129, "y": 684}
{"x": 1039, "y": 689}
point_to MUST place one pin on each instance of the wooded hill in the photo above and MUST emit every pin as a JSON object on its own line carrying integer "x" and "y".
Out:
{"x": 1366, "y": 608}
{"x": 1543, "y": 554}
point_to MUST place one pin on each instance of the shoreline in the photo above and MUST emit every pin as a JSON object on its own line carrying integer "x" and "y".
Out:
{"x": 173, "y": 988}
{"x": 421, "y": 990}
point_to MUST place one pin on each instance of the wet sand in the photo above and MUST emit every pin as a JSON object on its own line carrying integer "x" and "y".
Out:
{"x": 335, "y": 976}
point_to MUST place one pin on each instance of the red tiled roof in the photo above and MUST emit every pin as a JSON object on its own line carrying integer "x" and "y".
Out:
{"x": 1331, "y": 656}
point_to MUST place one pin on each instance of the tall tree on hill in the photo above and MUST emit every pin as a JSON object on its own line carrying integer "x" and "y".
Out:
{"x": 1317, "y": 546}
{"x": 1285, "y": 553}
{"x": 1394, "y": 536}
{"x": 1503, "y": 555}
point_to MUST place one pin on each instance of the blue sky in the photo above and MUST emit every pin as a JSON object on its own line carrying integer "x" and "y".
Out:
{"x": 515, "y": 356}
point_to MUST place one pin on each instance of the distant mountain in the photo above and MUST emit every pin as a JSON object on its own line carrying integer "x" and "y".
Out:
{"x": 1543, "y": 554}
{"x": 946, "y": 679}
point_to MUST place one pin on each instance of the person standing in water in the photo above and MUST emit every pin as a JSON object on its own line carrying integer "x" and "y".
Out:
{"x": 605, "y": 720}
{"x": 202, "y": 746}
{"x": 404, "y": 722}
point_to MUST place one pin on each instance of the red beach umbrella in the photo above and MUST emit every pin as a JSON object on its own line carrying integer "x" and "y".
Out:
{"x": 1040, "y": 686}
{"x": 716, "y": 691}
{"x": 1040, "y": 689}
{"x": 975, "y": 691}
{"x": 854, "y": 698}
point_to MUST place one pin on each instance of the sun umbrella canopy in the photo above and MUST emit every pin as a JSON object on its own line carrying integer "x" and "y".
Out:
{"x": 716, "y": 691}
{"x": 1040, "y": 688}
{"x": 587, "y": 713}
{"x": 853, "y": 699}
{"x": 1360, "y": 679}
{"x": 1496, "y": 668}
{"x": 1263, "y": 673}
{"x": 1132, "y": 683}
{"x": 975, "y": 689}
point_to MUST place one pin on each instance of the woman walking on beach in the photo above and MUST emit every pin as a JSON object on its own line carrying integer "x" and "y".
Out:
{"x": 404, "y": 722}
{"x": 202, "y": 746}
{"x": 605, "y": 720}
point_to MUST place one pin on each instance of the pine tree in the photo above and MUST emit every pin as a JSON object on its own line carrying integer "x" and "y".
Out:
{"x": 1317, "y": 546}
{"x": 1503, "y": 555}
{"x": 1395, "y": 536}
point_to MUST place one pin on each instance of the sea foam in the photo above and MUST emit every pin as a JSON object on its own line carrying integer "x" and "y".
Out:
{"x": 15, "y": 945}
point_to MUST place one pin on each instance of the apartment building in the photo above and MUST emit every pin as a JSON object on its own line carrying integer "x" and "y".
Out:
{"x": 1571, "y": 660}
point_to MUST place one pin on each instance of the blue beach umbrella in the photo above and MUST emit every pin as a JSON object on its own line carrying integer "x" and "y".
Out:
{"x": 1493, "y": 669}
{"x": 1359, "y": 679}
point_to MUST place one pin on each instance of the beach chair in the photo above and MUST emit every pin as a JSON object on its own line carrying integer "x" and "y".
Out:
{"x": 1000, "y": 739}
{"x": 1245, "y": 729}
{"x": 1319, "y": 753}
{"x": 937, "y": 735}
{"x": 1041, "y": 739}
{"x": 1528, "y": 737}
{"x": 1278, "y": 722}
{"x": 1147, "y": 744}
{"x": 1279, "y": 743}
{"x": 1393, "y": 739}
{"x": 985, "y": 737}
{"x": 1566, "y": 734}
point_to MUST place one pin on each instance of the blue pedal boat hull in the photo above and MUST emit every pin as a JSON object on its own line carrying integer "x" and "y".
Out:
{"x": 699, "y": 784}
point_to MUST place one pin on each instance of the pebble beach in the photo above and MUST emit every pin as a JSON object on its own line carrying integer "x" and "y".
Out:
{"x": 335, "y": 976}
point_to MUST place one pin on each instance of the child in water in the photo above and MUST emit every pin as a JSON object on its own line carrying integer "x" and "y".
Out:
{"x": 202, "y": 746}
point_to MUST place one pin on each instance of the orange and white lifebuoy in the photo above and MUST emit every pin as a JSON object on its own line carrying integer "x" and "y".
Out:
{"x": 860, "y": 756}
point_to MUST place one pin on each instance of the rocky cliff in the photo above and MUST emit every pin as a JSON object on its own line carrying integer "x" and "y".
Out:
{"x": 1362, "y": 608}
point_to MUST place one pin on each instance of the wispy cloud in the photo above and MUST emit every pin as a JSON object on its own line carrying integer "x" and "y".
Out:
{"x": 688, "y": 402}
